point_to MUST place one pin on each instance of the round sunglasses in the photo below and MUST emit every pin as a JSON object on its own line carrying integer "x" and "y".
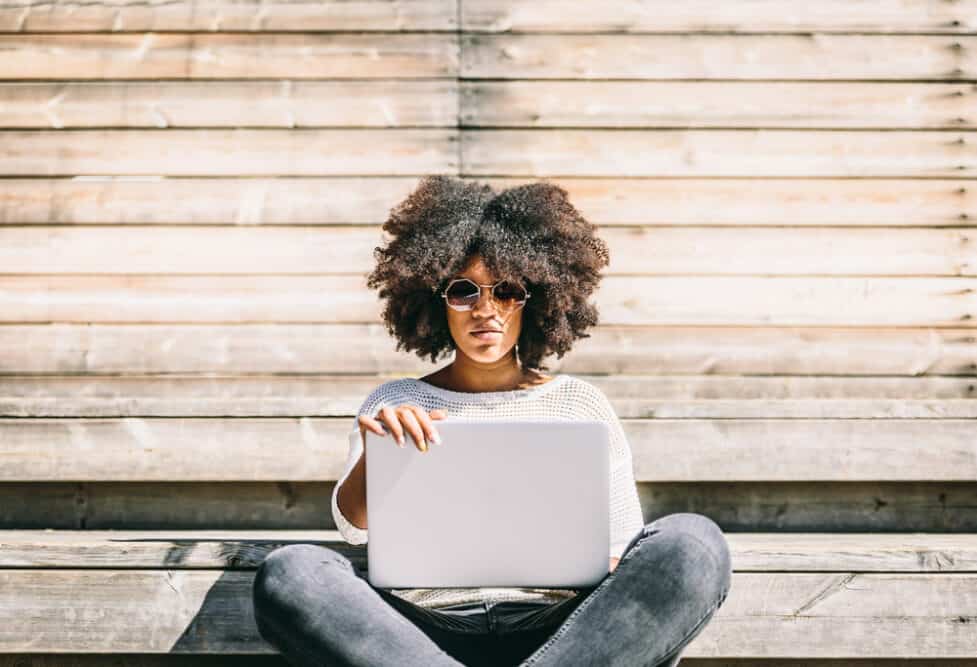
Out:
{"x": 462, "y": 294}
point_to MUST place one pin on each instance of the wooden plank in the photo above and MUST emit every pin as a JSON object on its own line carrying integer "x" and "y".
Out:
{"x": 315, "y": 449}
{"x": 774, "y": 153}
{"x": 817, "y": 506}
{"x": 736, "y": 506}
{"x": 686, "y": 104}
{"x": 335, "y": 200}
{"x": 207, "y": 55}
{"x": 220, "y": 15}
{"x": 287, "y": 104}
{"x": 606, "y": 202}
{"x": 529, "y": 153}
{"x": 637, "y": 396}
{"x": 231, "y": 152}
{"x": 179, "y": 505}
{"x": 748, "y": 16}
{"x": 227, "y": 549}
{"x": 665, "y": 301}
{"x": 67, "y": 349}
{"x": 811, "y": 56}
{"x": 635, "y": 251}
{"x": 781, "y": 614}
{"x": 722, "y": 104}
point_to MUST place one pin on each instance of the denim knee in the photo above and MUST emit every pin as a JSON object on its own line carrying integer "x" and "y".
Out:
{"x": 278, "y": 577}
{"x": 699, "y": 539}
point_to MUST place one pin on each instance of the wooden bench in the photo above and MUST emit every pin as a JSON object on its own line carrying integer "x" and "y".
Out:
{"x": 850, "y": 539}
{"x": 794, "y": 595}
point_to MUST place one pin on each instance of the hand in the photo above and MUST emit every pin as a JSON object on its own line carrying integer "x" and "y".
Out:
{"x": 411, "y": 418}
{"x": 614, "y": 562}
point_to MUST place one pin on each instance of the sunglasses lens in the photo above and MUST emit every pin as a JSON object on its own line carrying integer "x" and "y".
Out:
{"x": 509, "y": 294}
{"x": 463, "y": 293}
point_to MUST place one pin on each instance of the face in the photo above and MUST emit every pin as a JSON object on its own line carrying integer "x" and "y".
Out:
{"x": 485, "y": 314}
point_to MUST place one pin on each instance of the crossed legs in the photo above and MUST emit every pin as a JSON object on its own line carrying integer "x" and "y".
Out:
{"x": 312, "y": 605}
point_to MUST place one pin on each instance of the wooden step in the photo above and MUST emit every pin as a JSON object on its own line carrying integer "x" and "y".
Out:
{"x": 794, "y": 595}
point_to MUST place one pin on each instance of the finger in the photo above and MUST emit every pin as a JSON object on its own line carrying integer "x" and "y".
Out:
{"x": 438, "y": 413}
{"x": 389, "y": 417}
{"x": 412, "y": 426}
{"x": 369, "y": 423}
{"x": 427, "y": 425}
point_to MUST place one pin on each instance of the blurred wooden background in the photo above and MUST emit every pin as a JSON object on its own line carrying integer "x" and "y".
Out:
{"x": 190, "y": 193}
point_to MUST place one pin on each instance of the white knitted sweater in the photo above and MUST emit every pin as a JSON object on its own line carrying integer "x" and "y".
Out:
{"x": 564, "y": 396}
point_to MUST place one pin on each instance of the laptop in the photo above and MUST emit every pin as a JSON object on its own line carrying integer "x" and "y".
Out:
{"x": 502, "y": 502}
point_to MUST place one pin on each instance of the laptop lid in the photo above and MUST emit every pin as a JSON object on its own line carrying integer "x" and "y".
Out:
{"x": 502, "y": 502}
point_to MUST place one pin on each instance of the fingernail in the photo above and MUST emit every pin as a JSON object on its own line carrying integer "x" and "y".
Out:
{"x": 400, "y": 441}
{"x": 436, "y": 438}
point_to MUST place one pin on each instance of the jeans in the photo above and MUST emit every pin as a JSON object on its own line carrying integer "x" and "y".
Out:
{"x": 317, "y": 609}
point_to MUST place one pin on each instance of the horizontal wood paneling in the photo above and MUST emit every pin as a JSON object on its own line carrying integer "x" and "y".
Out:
{"x": 775, "y": 153}
{"x": 231, "y": 152}
{"x": 664, "y": 301}
{"x": 287, "y": 103}
{"x": 603, "y": 201}
{"x": 811, "y": 56}
{"x": 251, "y": 251}
{"x": 746, "y": 16}
{"x": 220, "y": 15}
{"x": 780, "y": 614}
{"x": 367, "y": 348}
{"x": 307, "y": 55}
{"x": 238, "y": 550}
{"x": 315, "y": 449}
{"x": 632, "y": 396}
{"x": 721, "y": 104}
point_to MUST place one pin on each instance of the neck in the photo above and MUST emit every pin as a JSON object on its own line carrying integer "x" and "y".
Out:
{"x": 466, "y": 374}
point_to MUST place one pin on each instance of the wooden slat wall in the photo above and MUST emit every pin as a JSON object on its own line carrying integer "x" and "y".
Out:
{"x": 190, "y": 194}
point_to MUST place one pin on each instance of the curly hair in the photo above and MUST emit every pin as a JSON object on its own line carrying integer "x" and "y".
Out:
{"x": 530, "y": 233}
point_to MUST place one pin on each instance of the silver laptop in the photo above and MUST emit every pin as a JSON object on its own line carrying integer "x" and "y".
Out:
{"x": 521, "y": 503}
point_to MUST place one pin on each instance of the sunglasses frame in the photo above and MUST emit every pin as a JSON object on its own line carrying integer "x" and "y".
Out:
{"x": 444, "y": 293}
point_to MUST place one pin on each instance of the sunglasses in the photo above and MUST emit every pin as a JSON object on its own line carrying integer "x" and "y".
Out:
{"x": 462, "y": 294}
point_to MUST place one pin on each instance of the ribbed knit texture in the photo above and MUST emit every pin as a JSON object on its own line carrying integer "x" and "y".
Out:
{"x": 564, "y": 397}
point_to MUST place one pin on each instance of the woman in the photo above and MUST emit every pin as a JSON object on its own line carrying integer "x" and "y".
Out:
{"x": 502, "y": 279}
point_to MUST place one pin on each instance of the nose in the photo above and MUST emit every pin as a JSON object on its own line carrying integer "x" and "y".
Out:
{"x": 486, "y": 302}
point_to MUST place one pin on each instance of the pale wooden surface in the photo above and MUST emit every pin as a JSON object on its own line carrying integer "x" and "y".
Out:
{"x": 789, "y": 195}
{"x": 768, "y": 614}
{"x": 284, "y": 348}
{"x": 315, "y": 449}
{"x": 810, "y": 56}
{"x": 306, "y": 253}
{"x": 740, "y": 16}
{"x": 353, "y": 200}
{"x": 151, "y": 55}
{"x": 243, "y": 549}
{"x": 221, "y": 15}
{"x": 631, "y": 396}
{"x": 777, "y": 507}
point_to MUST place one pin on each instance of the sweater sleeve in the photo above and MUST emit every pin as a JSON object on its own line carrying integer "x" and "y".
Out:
{"x": 349, "y": 532}
{"x": 372, "y": 405}
{"x": 625, "y": 507}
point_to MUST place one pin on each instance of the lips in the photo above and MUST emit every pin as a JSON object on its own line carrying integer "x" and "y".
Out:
{"x": 476, "y": 331}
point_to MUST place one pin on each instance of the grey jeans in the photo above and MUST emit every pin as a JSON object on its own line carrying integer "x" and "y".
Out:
{"x": 317, "y": 609}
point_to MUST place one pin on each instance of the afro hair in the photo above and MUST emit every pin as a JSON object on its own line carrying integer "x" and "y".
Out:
{"x": 531, "y": 233}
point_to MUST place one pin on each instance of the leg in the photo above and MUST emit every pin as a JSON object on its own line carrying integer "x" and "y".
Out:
{"x": 310, "y": 604}
{"x": 671, "y": 579}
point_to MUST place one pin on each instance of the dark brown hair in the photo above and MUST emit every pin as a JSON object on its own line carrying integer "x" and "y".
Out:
{"x": 531, "y": 233}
